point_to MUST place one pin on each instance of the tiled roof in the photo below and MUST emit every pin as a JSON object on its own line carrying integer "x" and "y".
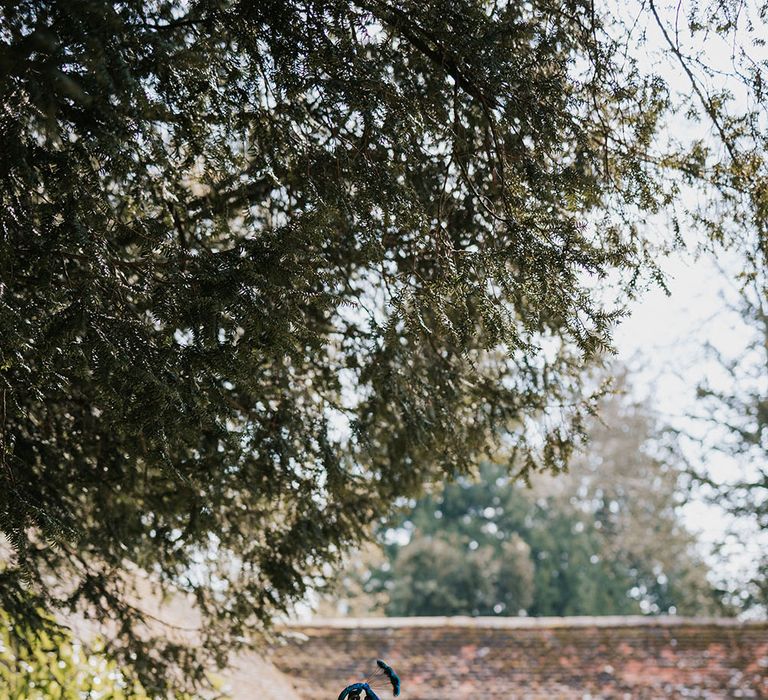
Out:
{"x": 507, "y": 658}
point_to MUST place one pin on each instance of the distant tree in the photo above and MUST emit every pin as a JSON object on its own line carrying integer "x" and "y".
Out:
{"x": 629, "y": 485}
{"x": 606, "y": 538}
{"x": 724, "y": 170}
{"x": 439, "y": 574}
{"x": 734, "y": 410}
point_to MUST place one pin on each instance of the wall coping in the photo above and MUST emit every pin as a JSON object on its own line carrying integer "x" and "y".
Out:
{"x": 524, "y": 623}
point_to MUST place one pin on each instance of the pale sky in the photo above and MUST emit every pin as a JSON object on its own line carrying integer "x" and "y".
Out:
{"x": 665, "y": 336}
{"x": 664, "y": 340}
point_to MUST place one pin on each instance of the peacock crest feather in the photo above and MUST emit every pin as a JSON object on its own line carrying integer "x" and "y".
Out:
{"x": 383, "y": 677}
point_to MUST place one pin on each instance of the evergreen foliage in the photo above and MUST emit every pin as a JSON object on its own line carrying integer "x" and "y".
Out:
{"x": 267, "y": 266}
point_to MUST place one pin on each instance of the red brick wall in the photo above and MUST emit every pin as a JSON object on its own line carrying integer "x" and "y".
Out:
{"x": 495, "y": 658}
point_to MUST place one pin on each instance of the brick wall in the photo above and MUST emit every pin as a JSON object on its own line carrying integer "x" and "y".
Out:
{"x": 504, "y": 658}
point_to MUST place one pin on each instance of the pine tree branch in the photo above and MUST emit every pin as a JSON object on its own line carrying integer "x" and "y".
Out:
{"x": 705, "y": 103}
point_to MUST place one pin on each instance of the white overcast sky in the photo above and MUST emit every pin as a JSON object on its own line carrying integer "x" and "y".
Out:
{"x": 664, "y": 338}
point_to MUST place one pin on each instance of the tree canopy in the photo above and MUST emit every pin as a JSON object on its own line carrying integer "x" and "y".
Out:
{"x": 267, "y": 266}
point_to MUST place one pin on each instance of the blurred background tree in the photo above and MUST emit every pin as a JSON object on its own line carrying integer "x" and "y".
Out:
{"x": 605, "y": 538}
{"x": 731, "y": 432}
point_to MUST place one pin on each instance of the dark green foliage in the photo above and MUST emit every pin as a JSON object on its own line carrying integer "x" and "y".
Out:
{"x": 437, "y": 574}
{"x": 266, "y": 266}
{"x": 604, "y": 539}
